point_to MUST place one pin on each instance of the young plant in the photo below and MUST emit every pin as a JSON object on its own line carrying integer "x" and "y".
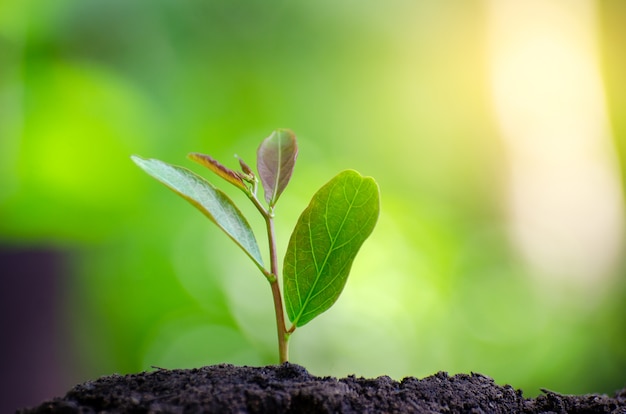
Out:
{"x": 324, "y": 243}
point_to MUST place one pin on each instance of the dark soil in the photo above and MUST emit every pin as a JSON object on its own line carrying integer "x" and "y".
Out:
{"x": 289, "y": 388}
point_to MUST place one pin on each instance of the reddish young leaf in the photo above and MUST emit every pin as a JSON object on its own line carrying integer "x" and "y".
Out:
{"x": 229, "y": 175}
{"x": 276, "y": 158}
{"x": 247, "y": 171}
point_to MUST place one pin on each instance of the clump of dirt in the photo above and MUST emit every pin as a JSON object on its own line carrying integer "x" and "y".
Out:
{"x": 289, "y": 388}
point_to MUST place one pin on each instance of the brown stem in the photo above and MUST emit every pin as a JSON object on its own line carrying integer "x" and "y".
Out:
{"x": 272, "y": 277}
{"x": 283, "y": 335}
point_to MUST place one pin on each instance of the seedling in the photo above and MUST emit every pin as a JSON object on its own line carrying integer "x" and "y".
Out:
{"x": 324, "y": 243}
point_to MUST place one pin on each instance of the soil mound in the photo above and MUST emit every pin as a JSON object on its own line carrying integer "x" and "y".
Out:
{"x": 289, "y": 388}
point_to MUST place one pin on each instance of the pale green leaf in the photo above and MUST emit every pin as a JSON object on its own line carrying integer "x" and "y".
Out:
{"x": 211, "y": 201}
{"x": 324, "y": 243}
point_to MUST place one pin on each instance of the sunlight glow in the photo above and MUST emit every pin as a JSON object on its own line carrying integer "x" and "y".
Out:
{"x": 564, "y": 194}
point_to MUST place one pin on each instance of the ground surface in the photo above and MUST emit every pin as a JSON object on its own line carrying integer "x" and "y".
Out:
{"x": 289, "y": 388}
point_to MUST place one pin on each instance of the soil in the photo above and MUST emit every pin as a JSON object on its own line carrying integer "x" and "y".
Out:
{"x": 289, "y": 388}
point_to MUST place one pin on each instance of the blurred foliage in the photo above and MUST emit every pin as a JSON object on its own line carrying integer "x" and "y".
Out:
{"x": 396, "y": 90}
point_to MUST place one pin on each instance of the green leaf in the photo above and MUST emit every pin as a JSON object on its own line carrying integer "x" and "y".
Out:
{"x": 276, "y": 158}
{"x": 324, "y": 243}
{"x": 211, "y": 201}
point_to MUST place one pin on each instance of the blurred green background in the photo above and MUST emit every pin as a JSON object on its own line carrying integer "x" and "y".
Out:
{"x": 499, "y": 248}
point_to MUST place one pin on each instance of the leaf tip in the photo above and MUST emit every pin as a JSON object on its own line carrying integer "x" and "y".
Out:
{"x": 140, "y": 161}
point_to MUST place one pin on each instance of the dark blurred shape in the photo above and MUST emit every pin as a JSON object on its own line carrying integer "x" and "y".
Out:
{"x": 33, "y": 339}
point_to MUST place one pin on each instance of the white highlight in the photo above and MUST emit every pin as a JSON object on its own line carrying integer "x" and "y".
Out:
{"x": 564, "y": 193}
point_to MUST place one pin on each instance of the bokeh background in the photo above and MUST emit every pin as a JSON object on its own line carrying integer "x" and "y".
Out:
{"x": 495, "y": 129}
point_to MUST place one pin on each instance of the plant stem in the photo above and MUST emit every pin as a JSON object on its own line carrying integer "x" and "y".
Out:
{"x": 281, "y": 329}
{"x": 272, "y": 277}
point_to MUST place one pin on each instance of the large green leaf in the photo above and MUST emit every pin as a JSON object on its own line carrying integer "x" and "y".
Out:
{"x": 324, "y": 243}
{"x": 276, "y": 158}
{"x": 209, "y": 200}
